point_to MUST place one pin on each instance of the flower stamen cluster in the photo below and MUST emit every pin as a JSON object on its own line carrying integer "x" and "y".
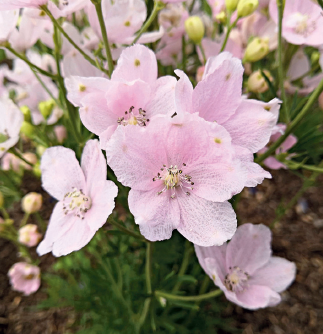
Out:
{"x": 76, "y": 202}
{"x": 236, "y": 280}
{"x": 130, "y": 118}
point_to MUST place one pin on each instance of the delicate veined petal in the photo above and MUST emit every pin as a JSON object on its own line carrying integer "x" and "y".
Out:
{"x": 8, "y": 21}
{"x": 249, "y": 237}
{"x": 277, "y": 274}
{"x": 216, "y": 221}
{"x": 183, "y": 93}
{"x": 136, "y": 62}
{"x": 216, "y": 102}
{"x": 16, "y": 4}
{"x": 61, "y": 172}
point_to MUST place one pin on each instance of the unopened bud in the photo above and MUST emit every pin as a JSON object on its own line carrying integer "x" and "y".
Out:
{"x": 321, "y": 101}
{"x": 247, "y": 7}
{"x": 231, "y": 5}
{"x": 315, "y": 57}
{"x": 40, "y": 150}
{"x": 46, "y": 108}
{"x": 31, "y": 158}
{"x": 26, "y": 112}
{"x": 1, "y": 200}
{"x": 257, "y": 49}
{"x": 60, "y": 132}
{"x": 195, "y": 29}
{"x": 200, "y": 73}
{"x": 221, "y": 17}
{"x": 27, "y": 129}
{"x": 37, "y": 170}
{"x": 257, "y": 83}
{"x": 28, "y": 235}
{"x": 32, "y": 202}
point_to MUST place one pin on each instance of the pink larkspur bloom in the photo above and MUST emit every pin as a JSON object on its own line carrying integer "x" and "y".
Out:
{"x": 181, "y": 171}
{"x": 248, "y": 122}
{"x": 11, "y": 121}
{"x": 24, "y": 278}
{"x": 290, "y": 141}
{"x": 86, "y": 198}
{"x": 302, "y": 22}
{"x": 134, "y": 95}
{"x": 16, "y": 4}
{"x": 29, "y": 235}
{"x": 8, "y": 21}
{"x": 245, "y": 270}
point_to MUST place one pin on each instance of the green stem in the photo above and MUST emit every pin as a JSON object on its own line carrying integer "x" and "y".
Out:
{"x": 280, "y": 8}
{"x": 61, "y": 84}
{"x": 18, "y": 155}
{"x": 169, "y": 296}
{"x": 293, "y": 165}
{"x": 98, "y": 8}
{"x": 230, "y": 27}
{"x": 25, "y": 219}
{"x": 294, "y": 123}
{"x": 41, "y": 222}
{"x": 203, "y": 53}
{"x": 58, "y": 26}
{"x": 4, "y": 213}
{"x": 158, "y": 5}
{"x": 125, "y": 230}
{"x": 30, "y": 64}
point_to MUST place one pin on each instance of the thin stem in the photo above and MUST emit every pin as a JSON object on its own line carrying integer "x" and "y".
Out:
{"x": 98, "y": 8}
{"x": 15, "y": 152}
{"x": 169, "y": 296}
{"x": 203, "y": 53}
{"x": 41, "y": 222}
{"x": 25, "y": 219}
{"x": 30, "y": 64}
{"x": 125, "y": 230}
{"x": 4, "y": 213}
{"x": 293, "y": 165}
{"x": 294, "y": 123}
{"x": 230, "y": 27}
{"x": 280, "y": 61}
{"x": 158, "y": 5}
{"x": 58, "y": 26}
{"x": 62, "y": 87}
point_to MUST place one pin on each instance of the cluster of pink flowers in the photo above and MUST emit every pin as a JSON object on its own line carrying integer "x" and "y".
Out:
{"x": 184, "y": 151}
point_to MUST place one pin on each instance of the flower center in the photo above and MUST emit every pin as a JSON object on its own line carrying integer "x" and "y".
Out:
{"x": 302, "y": 25}
{"x": 236, "y": 280}
{"x": 76, "y": 202}
{"x": 134, "y": 117}
{"x": 173, "y": 178}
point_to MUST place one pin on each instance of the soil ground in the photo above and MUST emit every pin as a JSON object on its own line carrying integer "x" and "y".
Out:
{"x": 297, "y": 237}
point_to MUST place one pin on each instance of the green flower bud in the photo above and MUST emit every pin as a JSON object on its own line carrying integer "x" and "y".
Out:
{"x": 257, "y": 49}
{"x": 32, "y": 202}
{"x": 315, "y": 57}
{"x": 27, "y": 129}
{"x": 37, "y": 170}
{"x": 247, "y": 7}
{"x": 195, "y": 29}
{"x": 46, "y": 108}
{"x": 26, "y": 112}
{"x": 257, "y": 83}
{"x": 40, "y": 150}
{"x": 1, "y": 200}
{"x": 231, "y": 5}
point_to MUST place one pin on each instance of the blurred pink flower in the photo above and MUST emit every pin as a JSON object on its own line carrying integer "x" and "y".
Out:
{"x": 302, "y": 22}
{"x": 28, "y": 235}
{"x": 8, "y": 21}
{"x": 16, "y": 4}
{"x": 245, "y": 270}
{"x": 60, "y": 133}
{"x": 11, "y": 121}
{"x": 86, "y": 198}
{"x": 290, "y": 141}
{"x": 134, "y": 95}
{"x": 24, "y": 278}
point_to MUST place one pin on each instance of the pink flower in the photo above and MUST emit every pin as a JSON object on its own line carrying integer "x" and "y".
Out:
{"x": 245, "y": 270}
{"x": 217, "y": 6}
{"x": 29, "y": 235}
{"x": 302, "y": 22}
{"x": 60, "y": 133}
{"x": 65, "y": 8}
{"x": 86, "y": 198}
{"x": 16, "y": 4}
{"x": 24, "y": 277}
{"x": 8, "y": 21}
{"x": 290, "y": 141}
{"x": 181, "y": 171}
{"x": 134, "y": 95}
{"x": 11, "y": 121}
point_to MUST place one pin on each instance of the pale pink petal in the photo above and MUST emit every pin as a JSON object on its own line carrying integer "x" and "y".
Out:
{"x": 255, "y": 297}
{"x": 217, "y": 102}
{"x": 299, "y": 65}
{"x": 273, "y": 163}
{"x": 183, "y": 93}
{"x": 249, "y": 237}
{"x": 206, "y": 223}
{"x": 61, "y": 172}
{"x": 8, "y": 21}
{"x": 250, "y": 126}
{"x": 136, "y": 62}
{"x": 156, "y": 215}
{"x": 277, "y": 274}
